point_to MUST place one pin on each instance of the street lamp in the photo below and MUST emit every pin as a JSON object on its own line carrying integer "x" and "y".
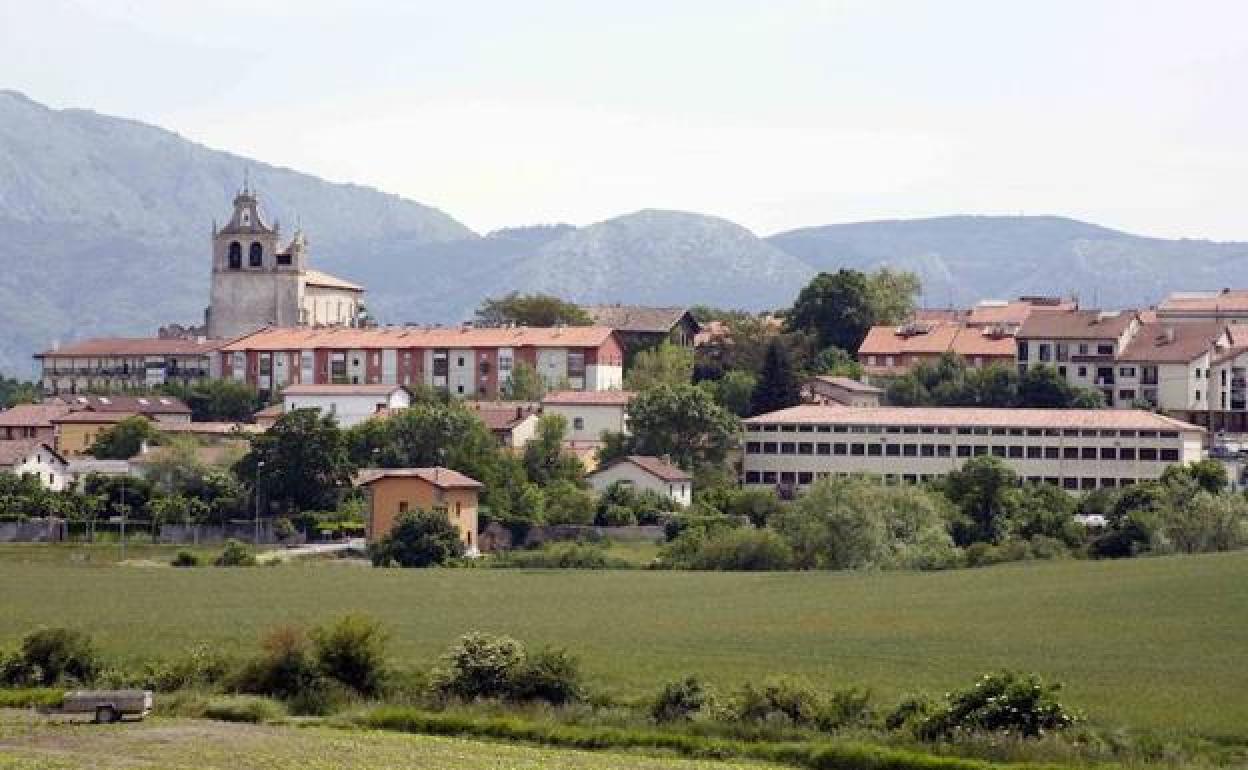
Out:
{"x": 259, "y": 468}
{"x": 123, "y": 517}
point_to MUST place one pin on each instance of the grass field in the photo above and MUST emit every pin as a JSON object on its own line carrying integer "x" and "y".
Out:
{"x": 1157, "y": 643}
{"x": 97, "y": 555}
{"x": 33, "y": 743}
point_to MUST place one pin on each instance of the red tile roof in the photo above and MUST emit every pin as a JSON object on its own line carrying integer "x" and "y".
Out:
{"x": 1172, "y": 342}
{"x": 1120, "y": 419}
{"x": 655, "y": 466}
{"x": 973, "y": 342}
{"x": 591, "y": 397}
{"x": 1210, "y": 302}
{"x": 307, "y": 338}
{"x": 32, "y": 415}
{"x": 103, "y": 347}
{"x": 920, "y": 337}
{"x": 89, "y": 417}
{"x": 444, "y": 478}
{"x": 146, "y": 405}
{"x": 847, "y": 383}
{"x": 16, "y": 451}
{"x": 1047, "y": 324}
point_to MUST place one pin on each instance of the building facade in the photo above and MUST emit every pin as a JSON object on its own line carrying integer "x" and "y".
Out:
{"x": 845, "y": 391}
{"x": 394, "y": 491}
{"x": 1075, "y": 449}
{"x": 467, "y": 362}
{"x": 642, "y": 473}
{"x": 122, "y": 364}
{"x": 36, "y": 459}
{"x": 348, "y": 404}
{"x": 588, "y": 414}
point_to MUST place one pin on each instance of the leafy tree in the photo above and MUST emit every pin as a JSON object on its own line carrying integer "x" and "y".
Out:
{"x": 305, "y": 462}
{"x": 418, "y": 539}
{"x": 777, "y": 386}
{"x": 733, "y": 391}
{"x": 835, "y": 362}
{"x": 1042, "y": 510}
{"x": 566, "y": 503}
{"x": 218, "y": 400}
{"x": 525, "y": 383}
{"x": 684, "y": 422}
{"x": 531, "y": 310}
{"x": 545, "y": 460}
{"x": 125, "y": 439}
{"x": 667, "y": 364}
{"x": 841, "y": 307}
{"x": 119, "y": 494}
{"x": 1209, "y": 474}
{"x": 14, "y": 392}
{"x": 614, "y": 445}
{"x": 981, "y": 490}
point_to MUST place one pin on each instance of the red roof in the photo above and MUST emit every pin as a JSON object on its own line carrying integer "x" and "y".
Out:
{"x": 590, "y": 397}
{"x": 1121, "y": 419}
{"x": 1047, "y": 323}
{"x": 88, "y": 417}
{"x": 309, "y": 338}
{"x": 443, "y": 478}
{"x": 147, "y": 405}
{"x": 655, "y": 466}
{"x": 930, "y": 337}
{"x": 133, "y": 346}
{"x": 16, "y": 451}
{"x": 32, "y": 415}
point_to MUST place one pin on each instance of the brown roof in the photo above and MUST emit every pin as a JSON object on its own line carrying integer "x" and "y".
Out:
{"x": 939, "y": 314}
{"x": 1224, "y": 301}
{"x": 133, "y": 346}
{"x": 634, "y": 318}
{"x": 207, "y": 428}
{"x": 655, "y": 466}
{"x": 339, "y": 390}
{"x": 32, "y": 415}
{"x": 319, "y": 278}
{"x": 443, "y": 478}
{"x": 275, "y": 410}
{"x": 1014, "y": 312}
{"x": 306, "y": 338}
{"x": 932, "y": 337}
{"x": 1121, "y": 419}
{"x": 848, "y": 383}
{"x": 591, "y": 397}
{"x": 1172, "y": 342}
{"x": 16, "y": 451}
{"x": 89, "y": 417}
{"x": 976, "y": 342}
{"x": 504, "y": 415}
{"x": 1045, "y": 323}
{"x": 145, "y": 405}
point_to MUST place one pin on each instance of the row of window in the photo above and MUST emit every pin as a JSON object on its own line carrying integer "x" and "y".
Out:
{"x": 1061, "y": 351}
{"x": 1148, "y": 454}
{"x": 964, "y": 430}
{"x": 804, "y": 478}
{"x": 255, "y": 256}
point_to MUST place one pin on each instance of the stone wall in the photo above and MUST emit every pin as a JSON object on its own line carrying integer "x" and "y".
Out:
{"x": 216, "y": 534}
{"x": 496, "y": 537}
{"x": 32, "y": 531}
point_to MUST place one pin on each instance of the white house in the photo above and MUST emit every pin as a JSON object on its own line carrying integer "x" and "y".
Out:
{"x": 589, "y": 413}
{"x": 642, "y": 473}
{"x": 32, "y": 457}
{"x": 349, "y": 404}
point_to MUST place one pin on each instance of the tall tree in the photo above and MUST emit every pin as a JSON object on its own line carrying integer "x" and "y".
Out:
{"x": 531, "y": 310}
{"x": 667, "y": 364}
{"x": 300, "y": 464}
{"x": 218, "y": 400}
{"x": 841, "y": 307}
{"x": 124, "y": 439}
{"x": 777, "y": 386}
{"x": 545, "y": 461}
{"x": 525, "y": 383}
{"x": 683, "y": 422}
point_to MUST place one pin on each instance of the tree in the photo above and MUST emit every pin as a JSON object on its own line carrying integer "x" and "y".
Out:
{"x": 418, "y": 539}
{"x": 14, "y": 392}
{"x": 545, "y": 461}
{"x": 525, "y": 383}
{"x": 841, "y": 307}
{"x": 124, "y": 439}
{"x": 218, "y": 400}
{"x": 566, "y": 503}
{"x": 531, "y": 310}
{"x": 1042, "y": 510}
{"x": 1209, "y": 474}
{"x": 777, "y": 386}
{"x": 733, "y": 391}
{"x": 683, "y": 422}
{"x": 835, "y": 362}
{"x": 305, "y": 462}
{"x": 667, "y": 364}
{"x": 121, "y": 495}
{"x": 980, "y": 490}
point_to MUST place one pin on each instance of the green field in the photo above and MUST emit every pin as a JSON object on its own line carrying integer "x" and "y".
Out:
{"x": 33, "y": 743}
{"x": 99, "y": 554}
{"x": 1157, "y": 643}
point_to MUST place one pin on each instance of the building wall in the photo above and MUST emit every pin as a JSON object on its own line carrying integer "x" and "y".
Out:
{"x": 592, "y": 420}
{"x": 74, "y": 438}
{"x": 349, "y": 410}
{"x": 791, "y": 455}
{"x": 329, "y": 306}
{"x": 246, "y": 300}
{"x": 388, "y": 496}
{"x": 630, "y": 474}
{"x": 80, "y": 374}
{"x": 44, "y": 466}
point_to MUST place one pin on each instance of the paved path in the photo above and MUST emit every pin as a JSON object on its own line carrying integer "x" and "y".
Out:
{"x": 312, "y": 549}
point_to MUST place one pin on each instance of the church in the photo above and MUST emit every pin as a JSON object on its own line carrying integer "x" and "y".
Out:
{"x": 257, "y": 281}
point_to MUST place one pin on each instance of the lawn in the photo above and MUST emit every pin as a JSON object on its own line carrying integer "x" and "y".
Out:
{"x": 97, "y": 554}
{"x": 1156, "y": 643}
{"x": 32, "y": 743}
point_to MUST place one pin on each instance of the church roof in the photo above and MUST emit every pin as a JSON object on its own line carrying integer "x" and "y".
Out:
{"x": 319, "y": 278}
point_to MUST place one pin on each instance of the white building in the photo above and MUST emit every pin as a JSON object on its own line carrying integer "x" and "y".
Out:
{"x": 26, "y": 457}
{"x": 349, "y": 404}
{"x": 645, "y": 473}
{"x": 1076, "y": 449}
{"x": 589, "y": 413}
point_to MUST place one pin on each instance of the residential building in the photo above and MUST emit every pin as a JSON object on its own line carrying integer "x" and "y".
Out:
{"x": 266, "y": 418}
{"x": 845, "y": 391}
{"x": 348, "y": 404}
{"x": 647, "y": 327}
{"x": 589, "y": 413}
{"x": 77, "y": 469}
{"x": 32, "y": 421}
{"x": 466, "y": 361}
{"x": 167, "y": 409}
{"x": 1076, "y": 449}
{"x": 1167, "y": 365}
{"x": 119, "y": 364}
{"x": 890, "y": 351}
{"x": 1083, "y": 345}
{"x": 513, "y": 423}
{"x": 391, "y": 492}
{"x": 645, "y": 473}
{"x": 34, "y": 458}
{"x": 1225, "y": 305}
{"x": 257, "y": 282}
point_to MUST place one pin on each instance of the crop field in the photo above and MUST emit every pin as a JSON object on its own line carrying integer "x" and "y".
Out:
{"x": 34, "y": 743}
{"x": 1155, "y": 643}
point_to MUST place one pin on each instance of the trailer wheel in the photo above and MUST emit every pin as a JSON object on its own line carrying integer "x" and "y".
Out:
{"x": 106, "y": 715}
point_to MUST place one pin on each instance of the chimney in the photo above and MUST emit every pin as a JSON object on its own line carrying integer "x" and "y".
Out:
{"x": 1169, "y": 334}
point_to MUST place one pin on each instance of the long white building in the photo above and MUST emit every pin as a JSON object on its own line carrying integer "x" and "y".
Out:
{"x": 1076, "y": 449}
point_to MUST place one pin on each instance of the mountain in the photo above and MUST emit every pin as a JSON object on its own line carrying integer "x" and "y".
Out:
{"x": 962, "y": 259}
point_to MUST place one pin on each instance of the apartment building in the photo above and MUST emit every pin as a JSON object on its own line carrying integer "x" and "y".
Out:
{"x": 1076, "y": 449}
{"x": 890, "y": 351}
{"x": 1225, "y": 305}
{"x": 119, "y": 364}
{"x": 349, "y": 404}
{"x": 1083, "y": 345}
{"x": 467, "y": 361}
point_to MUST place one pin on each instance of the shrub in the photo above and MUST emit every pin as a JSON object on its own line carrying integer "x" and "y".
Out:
{"x": 236, "y": 554}
{"x": 185, "y": 558}
{"x": 284, "y": 669}
{"x": 352, "y": 652}
{"x": 199, "y": 666}
{"x": 548, "y": 675}
{"x": 680, "y": 701}
{"x": 244, "y": 708}
{"x": 785, "y": 698}
{"x": 910, "y": 712}
{"x": 1005, "y": 702}
{"x": 479, "y": 666}
{"x": 617, "y": 516}
{"x": 844, "y": 708}
{"x": 51, "y": 656}
{"x": 419, "y": 539}
{"x": 744, "y": 549}
{"x": 561, "y": 556}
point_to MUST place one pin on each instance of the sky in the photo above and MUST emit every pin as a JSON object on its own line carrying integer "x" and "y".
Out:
{"x": 775, "y": 114}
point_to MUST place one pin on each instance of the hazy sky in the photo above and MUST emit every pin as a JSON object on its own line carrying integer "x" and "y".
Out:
{"x": 774, "y": 114}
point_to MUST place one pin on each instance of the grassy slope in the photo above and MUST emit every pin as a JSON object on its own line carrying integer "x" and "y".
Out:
{"x": 33, "y": 743}
{"x": 1150, "y": 642}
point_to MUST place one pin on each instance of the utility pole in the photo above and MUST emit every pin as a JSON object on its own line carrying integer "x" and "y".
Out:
{"x": 123, "y": 517}
{"x": 259, "y": 469}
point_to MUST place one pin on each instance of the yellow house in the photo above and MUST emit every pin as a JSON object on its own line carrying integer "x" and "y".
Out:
{"x": 77, "y": 431}
{"x": 393, "y": 491}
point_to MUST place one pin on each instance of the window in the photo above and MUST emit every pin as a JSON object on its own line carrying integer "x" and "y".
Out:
{"x": 1083, "y": 371}
{"x": 1126, "y": 371}
{"x": 1022, "y": 350}
{"x": 1016, "y": 452}
{"x": 892, "y": 450}
{"x": 1070, "y": 453}
{"x": 770, "y": 447}
{"x": 1104, "y": 350}
{"x": 1083, "y": 348}
{"x": 769, "y": 477}
{"x": 1109, "y": 453}
{"x": 964, "y": 451}
{"x": 1126, "y": 453}
{"x": 857, "y": 449}
{"x": 753, "y": 448}
{"x": 459, "y": 361}
{"x": 927, "y": 450}
{"x": 1088, "y": 453}
{"x": 578, "y": 423}
{"x": 576, "y": 364}
{"x": 255, "y": 255}
{"x": 910, "y": 450}
{"x": 1063, "y": 352}
{"x": 788, "y": 448}
{"x": 1169, "y": 455}
{"x": 1087, "y": 483}
{"x": 283, "y": 258}
{"x": 839, "y": 448}
{"x": 805, "y": 477}
{"x": 823, "y": 449}
{"x": 439, "y": 363}
{"x": 1069, "y": 483}
{"x": 874, "y": 450}
{"x": 1148, "y": 454}
{"x": 943, "y": 450}
{"x": 484, "y": 367}
{"x": 805, "y": 448}
{"x": 1198, "y": 395}
{"x": 236, "y": 255}
{"x": 1046, "y": 351}
{"x": 402, "y": 506}
{"x": 998, "y": 451}
{"x": 1035, "y": 452}
{"x": 752, "y": 477}
{"x": 981, "y": 450}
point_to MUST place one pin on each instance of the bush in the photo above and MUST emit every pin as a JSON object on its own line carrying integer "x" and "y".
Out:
{"x": 185, "y": 558}
{"x": 352, "y": 652}
{"x": 680, "y": 701}
{"x": 548, "y": 675}
{"x": 480, "y": 666}
{"x": 617, "y": 516}
{"x": 51, "y": 656}
{"x": 1003, "y": 702}
{"x": 419, "y": 539}
{"x": 244, "y": 708}
{"x": 561, "y": 556}
{"x": 910, "y": 712}
{"x": 779, "y": 698}
{"x": 236, "y": 554}
{"x": 199, "y": 666}
{"x": 284, "y": 669}
{"x": 744, "y": 549}
{"x": 844, "y": 708}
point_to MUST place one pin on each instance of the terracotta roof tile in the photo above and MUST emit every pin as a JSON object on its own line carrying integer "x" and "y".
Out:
{"x": 655, "y": 466}
{"x": 931, "y": 337}
{"x": 339, "y": 390}
{"x": 1171, "y": 342}
{"x": 849, "y": 384}
{"x": 593, "y": 397}
{"x": 307, "y": 338}
{"x": 32, "y": 415}
{"x": 1225, "y": 301}
{"x": 635, "y": 318}
{"x": 444, "y": 478}
{"x": 1044, "y": 323}
{"x": 146, "y": 405}
{"x": 16, "y": 451}
{"x": 1120, "y": 419}
{"x": 133, "y": 346}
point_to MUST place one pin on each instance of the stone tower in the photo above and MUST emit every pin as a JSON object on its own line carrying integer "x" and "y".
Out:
{"x": 254, "y": 282}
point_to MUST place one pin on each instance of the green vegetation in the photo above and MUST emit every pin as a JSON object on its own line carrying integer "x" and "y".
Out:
{"x": 418, "y": 539}
{"x": 1091, "y": 624}
{"x": 218, "y": 400}
{"x": 124, "y": 440}
{"x": 950, "y": 382}
{"x": 839, "y": 308}
{"x": 531, "y": 310}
